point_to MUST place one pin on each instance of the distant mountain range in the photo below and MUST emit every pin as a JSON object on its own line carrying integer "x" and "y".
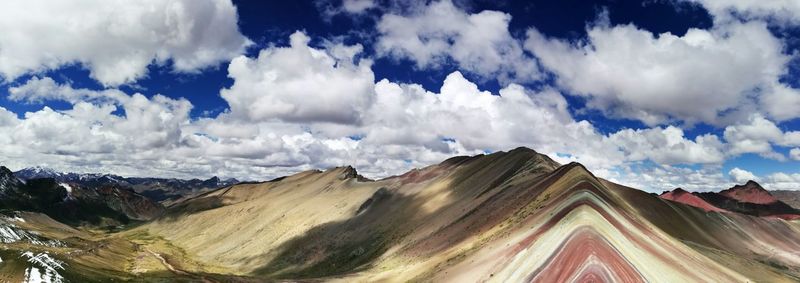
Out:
{"x": 750, "y": 198}
{"x": 75, "y": 203}
{"x": 162, "y": 190}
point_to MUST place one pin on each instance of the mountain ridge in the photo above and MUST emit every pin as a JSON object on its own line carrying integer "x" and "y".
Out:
{"x": 508, "y": 216}
{"x": 432, "y": 215}
{"x": 749, "y": 198}
{"x": 163, "y": 190}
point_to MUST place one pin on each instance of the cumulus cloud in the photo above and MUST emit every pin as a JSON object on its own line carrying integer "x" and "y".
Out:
{"x": 759, "y": 135}
{"x": 401, "y": 126}
{"x": 117, "y": 40}
{"x": 357, "y": 6}
{"x": 657, "y": 179}
{"x": 741, "y": 176}
{"x": 717, "y": 76}
{"x": 668, "y": 146}
{"x": 437, "y": 33}
{"x": 329, "y": 86}
{"x": 781, "y": 11}
{"x": 301, "y": 84}
{"x": 479, "y": 120}
{"x": 91, "y": 134}
{"x": 794, "y": 153}
{"x": 781, "y": 103}
{"x": 783, "y": 181}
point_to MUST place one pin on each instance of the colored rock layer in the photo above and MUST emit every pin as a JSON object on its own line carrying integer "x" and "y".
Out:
{"x": 750, "y": 192}
{"x": 750, "y": 199}
{"x": 682, "y": 196}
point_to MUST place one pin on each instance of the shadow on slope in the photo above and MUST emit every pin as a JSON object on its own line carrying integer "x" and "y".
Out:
{"x": 481, "y": 191}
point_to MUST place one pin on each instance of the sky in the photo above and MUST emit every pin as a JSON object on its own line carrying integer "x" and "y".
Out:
{"x": 698, "y": 94}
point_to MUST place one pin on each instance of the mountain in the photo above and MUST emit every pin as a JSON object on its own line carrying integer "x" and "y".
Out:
{"x": 792, "y": 198}
{"x": 503, "y": 217}
{"x": 76, "y": 204}
{"x": 9, "y": 184}
{"x": 38, "y": 172}
{"x": 750, "y": 192}
{"x": 682, "y": 196}
{"x": 163, "y": 190}
{"x": 750, "y": 199}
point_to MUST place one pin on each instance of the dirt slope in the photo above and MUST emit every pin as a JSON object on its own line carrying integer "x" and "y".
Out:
{"x": 505, "y": 217}
{"x": 682, "y": 196}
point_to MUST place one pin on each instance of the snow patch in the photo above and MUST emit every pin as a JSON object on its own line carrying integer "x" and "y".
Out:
{"x": 10, "y": 233}
{"x": 66, "y": 186}
{"x": 47, "y": 263}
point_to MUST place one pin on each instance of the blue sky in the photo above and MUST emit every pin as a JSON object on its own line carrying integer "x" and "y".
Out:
{"x": 653, "y": 94}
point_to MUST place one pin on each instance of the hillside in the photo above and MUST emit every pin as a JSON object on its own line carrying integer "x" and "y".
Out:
{"x": 750, "y": 192}
{"x": 682, "y": 196}
{"x": 473, "y": 218}
{"x": 504, "y": 217}
{"x": 750, "y": 199}
{"x": 792, "y": 198}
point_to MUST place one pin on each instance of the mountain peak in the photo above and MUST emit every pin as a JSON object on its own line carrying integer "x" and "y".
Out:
{"x": 40, "y": 169}
{"x": 751, "y": 183}
{"x": 522, "y": 149}
{"x": 682, "y": 196}
{"x": 751, "y": 192}
{"x": 347, "y": 172}
{"x": 8, "y": 181}
{"x": 37, "y": 172}
{"x": 676, "y": 191}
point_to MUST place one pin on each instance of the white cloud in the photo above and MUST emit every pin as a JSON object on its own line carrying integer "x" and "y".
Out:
{"x": 668, "y": 146}
{"x": 781, "y": 103}
{"x": 331, "y": 95}
{"x": 716, "y": 76}
{"x": 116, "y": 40}
{"x": 357, "y": 6}
{"x": 408, "y": 114}
{"x": 38, "y": 90}
{"x": 753, "y": 137}
{"x": 155, "y": 136}
{"x": 791, "y": 138}
{"x": 782, "y": 11}
{"x": 438, "y": 32}
{"x": 741, "y": 176}
{"x": 300, "y": 84}
{"x": 782, "y": 181}
{"x": 794, "y": 153}
{"x": 7, "y": 118}
{"x": 759, "y": 135}
{"x": 657, "y": 178}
